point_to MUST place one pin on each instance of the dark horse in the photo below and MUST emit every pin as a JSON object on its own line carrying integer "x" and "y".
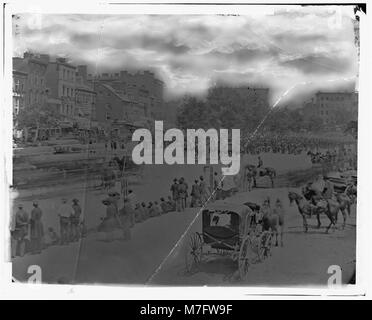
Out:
{"x": 330, "y": 207}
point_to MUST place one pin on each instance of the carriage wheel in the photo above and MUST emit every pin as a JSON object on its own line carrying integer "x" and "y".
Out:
{"x": 244, "y": 258}
{"x": 264, "y": 246}
{"x": 194, "y": 252}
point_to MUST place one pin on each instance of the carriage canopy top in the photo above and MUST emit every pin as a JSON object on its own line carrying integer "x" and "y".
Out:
{"x": 222, "y": 207}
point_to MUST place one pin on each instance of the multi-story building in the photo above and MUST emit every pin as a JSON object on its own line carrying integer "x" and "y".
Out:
{"x": 142, "y": 87}
{"x": 61, "y": 83}
{"x": 113, "y": 106}
{"x": 34, "y": 66}
{"x": 336, "y": 107}
{"x": 85, "y": 100}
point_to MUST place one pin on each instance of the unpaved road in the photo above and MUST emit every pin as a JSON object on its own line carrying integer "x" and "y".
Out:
{"x": 304, "y": 259}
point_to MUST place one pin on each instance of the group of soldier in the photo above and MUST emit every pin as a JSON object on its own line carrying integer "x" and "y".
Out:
{"x": 287, "y": 143}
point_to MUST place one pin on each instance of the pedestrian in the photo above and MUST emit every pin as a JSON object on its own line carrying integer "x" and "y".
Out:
{"x": 171, "y": 203}
{"x": 75, "y": 220}
{"x": 36, "y": 229}
{"x": 51, "y": 237}
{"x": 158, "y": 208}
{"x": 138, "y": 213}
{"x": 132, "y": 198}
{"x": 175, "y": 194}
{"x": 21, "y": 230}
{"x": 203, "y": 190}
{"x": 145, "y": 211}
{"x": 164, "y": 206}
{"x": 65, "y": 212}
{"x": 127, "y": 215}
{"x": 195, "y": 194}
{"x": 182, "y": 194}
{"x": 151, "y": 210}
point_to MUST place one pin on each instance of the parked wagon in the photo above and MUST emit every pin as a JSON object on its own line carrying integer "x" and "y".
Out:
{"x": 227, "y": 230}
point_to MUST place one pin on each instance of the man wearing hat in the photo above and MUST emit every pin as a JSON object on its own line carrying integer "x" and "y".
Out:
{"x": 195, "y": 194}
{"x": 328, "y": 188}
{"x": 65, "y": 212}
{"x": 21, "y": 229}
{"x": 175, "y": 194}
{"x": 36, "y": 228}
{"x": 75, "y": 220}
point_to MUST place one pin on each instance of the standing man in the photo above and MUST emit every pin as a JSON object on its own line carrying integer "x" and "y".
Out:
{"x": 20, "y": 230}
{"x": 182, "y": 193}
{"x": 195, "y": 195}
{"x": 132, "y": 198}
{"x": 175, "y": 194}
{"x": 203, "y": 190}
{"x": 37, "y": 229}
{"x": 75, "y": 220}
{"x": 65, "y": 212}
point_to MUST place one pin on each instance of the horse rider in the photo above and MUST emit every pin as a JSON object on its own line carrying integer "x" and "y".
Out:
{"x": 328, "y": 191}
{"x": 260, "y": 162}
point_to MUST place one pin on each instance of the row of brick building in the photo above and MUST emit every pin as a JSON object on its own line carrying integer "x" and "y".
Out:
{"x": 84, "y": 101}
{"x": 332, "y": 107}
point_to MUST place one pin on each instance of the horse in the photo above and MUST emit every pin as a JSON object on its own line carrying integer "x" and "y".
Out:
{"x": 345, "y": 204}
{"x": 272, "y": 219}
{"x": 270, "y": 172}
{"x": 351, "y": 192}
{"x": 330, "y": 207}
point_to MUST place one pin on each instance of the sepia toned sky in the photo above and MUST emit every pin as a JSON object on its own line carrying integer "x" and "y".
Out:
{"x": 304, "y": 49}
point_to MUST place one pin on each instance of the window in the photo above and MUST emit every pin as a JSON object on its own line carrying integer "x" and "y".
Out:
{"x": 16, "y": 85}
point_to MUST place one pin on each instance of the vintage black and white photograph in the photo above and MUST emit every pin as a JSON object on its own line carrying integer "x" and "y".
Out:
{"x": 186, "y": 149}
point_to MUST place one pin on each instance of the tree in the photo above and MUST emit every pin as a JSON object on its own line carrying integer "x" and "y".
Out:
{"x": 314, "y": 123}
{"x": 36, "y": 116}
{"x": 352, "y": 128}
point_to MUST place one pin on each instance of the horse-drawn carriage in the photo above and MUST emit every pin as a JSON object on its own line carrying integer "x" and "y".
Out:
{"x": 226, "y": 230}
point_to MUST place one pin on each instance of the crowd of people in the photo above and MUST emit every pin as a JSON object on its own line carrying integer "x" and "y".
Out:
{"x": 28, "y": 234}
{"x": 291, "y": 144}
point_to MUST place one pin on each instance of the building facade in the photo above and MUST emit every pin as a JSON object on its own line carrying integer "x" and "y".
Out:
{"x": 141, "y": 87}
{"x": 19, "y": 91}
{"x": 35, "y": 66}
{"x": 61, "y": 83}
{"x": 112, "y": 106}
{"x": 85, "y": 100}
{"x": 336, "y": 107}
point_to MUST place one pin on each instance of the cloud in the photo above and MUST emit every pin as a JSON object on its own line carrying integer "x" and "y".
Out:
{"x": 189, "y": 52}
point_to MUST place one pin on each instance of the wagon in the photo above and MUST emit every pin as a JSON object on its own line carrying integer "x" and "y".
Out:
{"x": 226, "y": 230}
